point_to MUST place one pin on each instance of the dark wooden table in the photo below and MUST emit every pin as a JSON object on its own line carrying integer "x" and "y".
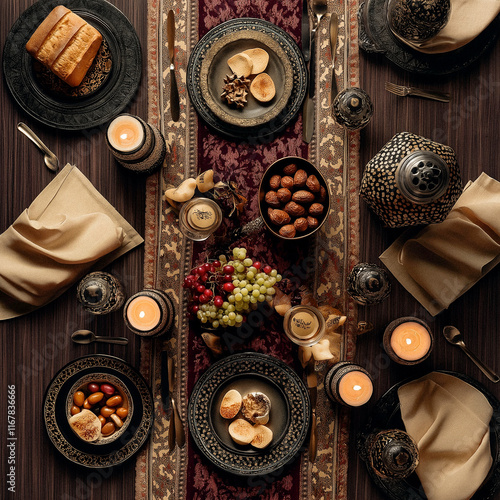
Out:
{"x": 36, "y": 346}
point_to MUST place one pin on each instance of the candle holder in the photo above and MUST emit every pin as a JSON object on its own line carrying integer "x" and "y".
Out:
{"x": 304, "y": 325}
{"x": 345, "y": 378}
{"x": 149, "y": 313}
{"x": 199, "y": 218}
{"x": 408, "y": 346}
{"x": 100, "y": 293}
{"x": 144, "y": 154}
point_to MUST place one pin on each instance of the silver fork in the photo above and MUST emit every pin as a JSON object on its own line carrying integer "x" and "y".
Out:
{"x": 414, "y": 91}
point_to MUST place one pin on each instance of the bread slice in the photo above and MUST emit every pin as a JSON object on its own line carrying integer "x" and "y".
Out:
{"x": 263, "y": 436}
{"x": 241, "y": 64}
{"x": 86, "y": 425}
{"x": 260, "y": 59}
{"x": 241, "y": 431}
{"x": 66, "y": 44}
{"x": 263, "y": 88}
{"x": 231, "y": 404}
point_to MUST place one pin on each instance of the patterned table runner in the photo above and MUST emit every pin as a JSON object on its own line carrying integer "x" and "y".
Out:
{"x": 321, "y": 263}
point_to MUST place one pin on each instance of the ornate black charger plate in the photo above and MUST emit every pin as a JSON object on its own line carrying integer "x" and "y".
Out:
{"x": 289, "y": 416}
{"x": 375, "y": 35}
{"x": 229, "y": 30}
{"x": 386, "y": 414}
{"x": 59, "y": 110}
{"x": 56, "y": 420}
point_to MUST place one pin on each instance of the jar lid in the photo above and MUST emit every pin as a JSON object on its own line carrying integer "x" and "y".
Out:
{"x": 202, "y": 216}
{"x": 422, "y": 177}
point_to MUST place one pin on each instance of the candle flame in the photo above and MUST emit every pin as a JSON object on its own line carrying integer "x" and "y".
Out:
{"x": 124, "y": 137}
{"x": 357, "y": 387}
{"x": 408, "y": 341}
{"x": 142, "y": 314}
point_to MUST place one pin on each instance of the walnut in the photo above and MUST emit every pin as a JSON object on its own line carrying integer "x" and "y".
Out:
{"x": 287, "y": 231}
{"x": 272, "y": 199}
{"x": 313, "y": 184}
{"x": 300, "y": 178}
{"x": 235, "y": 90}
{"x": 284, "y": 195}
{"x": 294, "y": 209}
{"x": 303, "y": 196}
{"x": 279, "y": 217}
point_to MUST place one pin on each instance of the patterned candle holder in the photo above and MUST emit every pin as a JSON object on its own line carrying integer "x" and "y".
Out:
{"x": 150, "y": 150}
{"x": 348, "y": 384}
{"x": 100, "y": 293}
{"x": 408, "y": 340}
{"x": 149, "y": 313}
{"x": 304, "y": 325}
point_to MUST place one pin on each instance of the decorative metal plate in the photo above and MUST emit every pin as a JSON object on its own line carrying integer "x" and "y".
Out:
{"x": 387, "y": 415}
{"x": 289, "y": 417}
{"x": 87, "y": 110}
{"x": 56, "y": 420}
{"x": 214, "y": 68}
{"x": 376, "y": 36}
{"x": 206, "y": 62}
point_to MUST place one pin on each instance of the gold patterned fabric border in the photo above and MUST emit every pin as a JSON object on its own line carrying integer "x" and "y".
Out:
{"x": 160, "y": 474}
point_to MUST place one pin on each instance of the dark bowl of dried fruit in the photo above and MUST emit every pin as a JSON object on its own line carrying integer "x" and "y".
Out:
{"x": 99, "y": 408}
{"x": 294, "y": 200}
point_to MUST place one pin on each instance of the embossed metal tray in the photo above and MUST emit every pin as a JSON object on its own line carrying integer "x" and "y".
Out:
{"x": 375, "y": 36}
{"x": 387, "y": 415}
{"x": 208, "y": 65}
{"x": 289, "y": 417}
{"x": 56, "y": 420}
{"x": 59, "y": 110}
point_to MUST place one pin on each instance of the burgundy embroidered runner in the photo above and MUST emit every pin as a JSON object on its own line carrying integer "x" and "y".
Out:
{"x": 321, "y": 263}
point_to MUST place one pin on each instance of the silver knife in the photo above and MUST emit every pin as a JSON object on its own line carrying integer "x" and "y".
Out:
{"x": 308, "y": 119}
{"x": 306, "y": 31}
{"x": 312, "y": 387}
{"x": 180, "y": 437}
{"x": 334, "y": 31}
{"x": 174, "y": 91}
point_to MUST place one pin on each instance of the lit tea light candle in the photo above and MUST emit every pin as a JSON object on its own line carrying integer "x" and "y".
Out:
{"x": 143, "y": 313}
{"x": 304, "y": 325}
{"x": 349, "y": 384}
{"x": 355, "y": 388}
{"x": 125, "y": 133}
{"x": 411, "y": 341}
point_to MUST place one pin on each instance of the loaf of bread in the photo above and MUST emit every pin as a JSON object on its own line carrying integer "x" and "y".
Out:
{"x": 66, "y": 44}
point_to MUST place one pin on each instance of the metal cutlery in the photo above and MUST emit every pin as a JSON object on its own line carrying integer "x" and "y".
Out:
{"x": 87, "y": 337}
{"x": 414, "y": 91}
{"x": 312, "y": 387}
{"x": 334, "y": 31}
{"x": 319, "y": 8}
{"x": 307, "y": 119}
{"x": 174, "y": 91}
{"x": 453, "y": 336}
{"x": 178, "y": 428}
{"x": 49, "y": 157}
{"x": 306, "y": 31}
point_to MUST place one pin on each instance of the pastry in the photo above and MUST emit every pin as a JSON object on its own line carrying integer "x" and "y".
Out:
{"x": 66, "y": 44}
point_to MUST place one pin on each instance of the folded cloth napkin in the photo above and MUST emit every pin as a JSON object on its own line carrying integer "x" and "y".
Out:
{"x": 67, "y": 230}
{"x": 444, "y": 260}
{"x": 467, "y": 19}
{"x": 449, "y": 420}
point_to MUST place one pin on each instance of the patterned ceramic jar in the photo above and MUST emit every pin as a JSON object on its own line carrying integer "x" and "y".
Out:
{"x": 100, "y": 293}
{"x": 417, "y": 20}
{"x": 352, "y": 108}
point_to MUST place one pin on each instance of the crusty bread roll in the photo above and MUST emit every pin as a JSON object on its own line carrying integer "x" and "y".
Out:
{"x": 231, "y": 404}
{"x": 66, "y": 44}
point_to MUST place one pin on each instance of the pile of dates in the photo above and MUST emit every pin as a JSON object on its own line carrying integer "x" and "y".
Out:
{"x": 296, "y": 202}
{"x": 105, "y": 401}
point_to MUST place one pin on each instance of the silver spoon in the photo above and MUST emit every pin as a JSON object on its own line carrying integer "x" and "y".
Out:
{"x": 50, "y": 158}
{"x": 453, "y": 336}
{"x": 86, "y": 337}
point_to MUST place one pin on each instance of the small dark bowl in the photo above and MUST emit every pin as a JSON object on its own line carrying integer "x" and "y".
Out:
{"x": 277, "y": 169}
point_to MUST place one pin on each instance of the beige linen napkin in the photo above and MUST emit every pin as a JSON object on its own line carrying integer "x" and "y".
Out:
{"x": 449, "y": 420}
{"x": 444, "y": 260}
{"x": 467, "y": 19}
{"x": 67, "y": 230}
